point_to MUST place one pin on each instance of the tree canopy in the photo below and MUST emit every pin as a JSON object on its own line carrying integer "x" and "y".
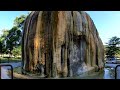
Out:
{"x": 10, "y": 40}
{"x": 112, "y": 47}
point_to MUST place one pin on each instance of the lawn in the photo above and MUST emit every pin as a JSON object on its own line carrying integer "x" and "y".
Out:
{"x": 17, "y": 70}
{"x": 6, "y": 60}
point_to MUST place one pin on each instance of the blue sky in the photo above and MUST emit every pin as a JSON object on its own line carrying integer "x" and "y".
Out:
{"x": 7, "y": 18}
{"x": 106, "y": 22}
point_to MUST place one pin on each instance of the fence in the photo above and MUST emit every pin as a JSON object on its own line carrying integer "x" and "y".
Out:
{"x": 1, "y": 65}
{"x": 117, "y": 75}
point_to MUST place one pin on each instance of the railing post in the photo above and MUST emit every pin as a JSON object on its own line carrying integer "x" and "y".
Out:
{"x": 0, "y": 72}
{"x": 9, "y": 66}
{"x": 116, "y": 71}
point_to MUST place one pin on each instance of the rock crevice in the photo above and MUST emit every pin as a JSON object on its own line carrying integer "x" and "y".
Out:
{"x": 67, "y": 43}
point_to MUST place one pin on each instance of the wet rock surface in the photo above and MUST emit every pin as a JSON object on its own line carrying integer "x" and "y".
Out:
{"x": 67, "y": 43}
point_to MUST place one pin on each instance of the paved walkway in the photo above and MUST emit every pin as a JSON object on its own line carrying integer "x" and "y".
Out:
{"x": 4, "y": 70}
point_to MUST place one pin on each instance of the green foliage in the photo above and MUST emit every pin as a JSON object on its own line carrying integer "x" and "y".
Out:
{"x": 2, "y": 41}
{"x": 16, "y": 51}
{"x": 4, "y": 59}
{"x": 112, "y": 47}
{"x": 10, "y": 40}
{"x": 19, "y": 21}
{"x": 5, "y": 33}
{"x": 0, "y": 46}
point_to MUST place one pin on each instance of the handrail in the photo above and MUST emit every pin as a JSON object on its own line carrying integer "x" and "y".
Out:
{"x": 116, "y": 71}
{"x": 7, "y": 65}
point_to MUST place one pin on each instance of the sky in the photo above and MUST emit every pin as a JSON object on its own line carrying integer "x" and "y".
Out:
{"x": 106, "y": 22}
{"x": 7, "y": 18}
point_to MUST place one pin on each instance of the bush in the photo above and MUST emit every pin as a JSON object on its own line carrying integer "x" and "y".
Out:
{"x": 16, "y": 51}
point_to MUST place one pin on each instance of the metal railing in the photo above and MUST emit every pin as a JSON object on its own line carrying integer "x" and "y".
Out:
{"x": 116, "y": 71}
{"x": 10, "y": 69}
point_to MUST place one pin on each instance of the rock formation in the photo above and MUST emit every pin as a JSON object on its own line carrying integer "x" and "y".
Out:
{"x": 66, "y": 43}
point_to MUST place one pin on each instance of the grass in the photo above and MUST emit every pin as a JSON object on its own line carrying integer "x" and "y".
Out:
{"x": 6, "y": 60}
{"x": 17, "y": 70}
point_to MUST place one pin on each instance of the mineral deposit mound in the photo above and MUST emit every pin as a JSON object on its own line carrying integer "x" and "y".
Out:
{"x": 61, "y": 44}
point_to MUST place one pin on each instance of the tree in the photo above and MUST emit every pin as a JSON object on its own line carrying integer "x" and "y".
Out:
{"x": 16, "y": 51}
{"x": 112, "y": 47}
{"x": 11, "y": 39}
{"x": 2, "y": 41}
{"x": 0, "y": 46}
{"x": 19, "y": 21}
